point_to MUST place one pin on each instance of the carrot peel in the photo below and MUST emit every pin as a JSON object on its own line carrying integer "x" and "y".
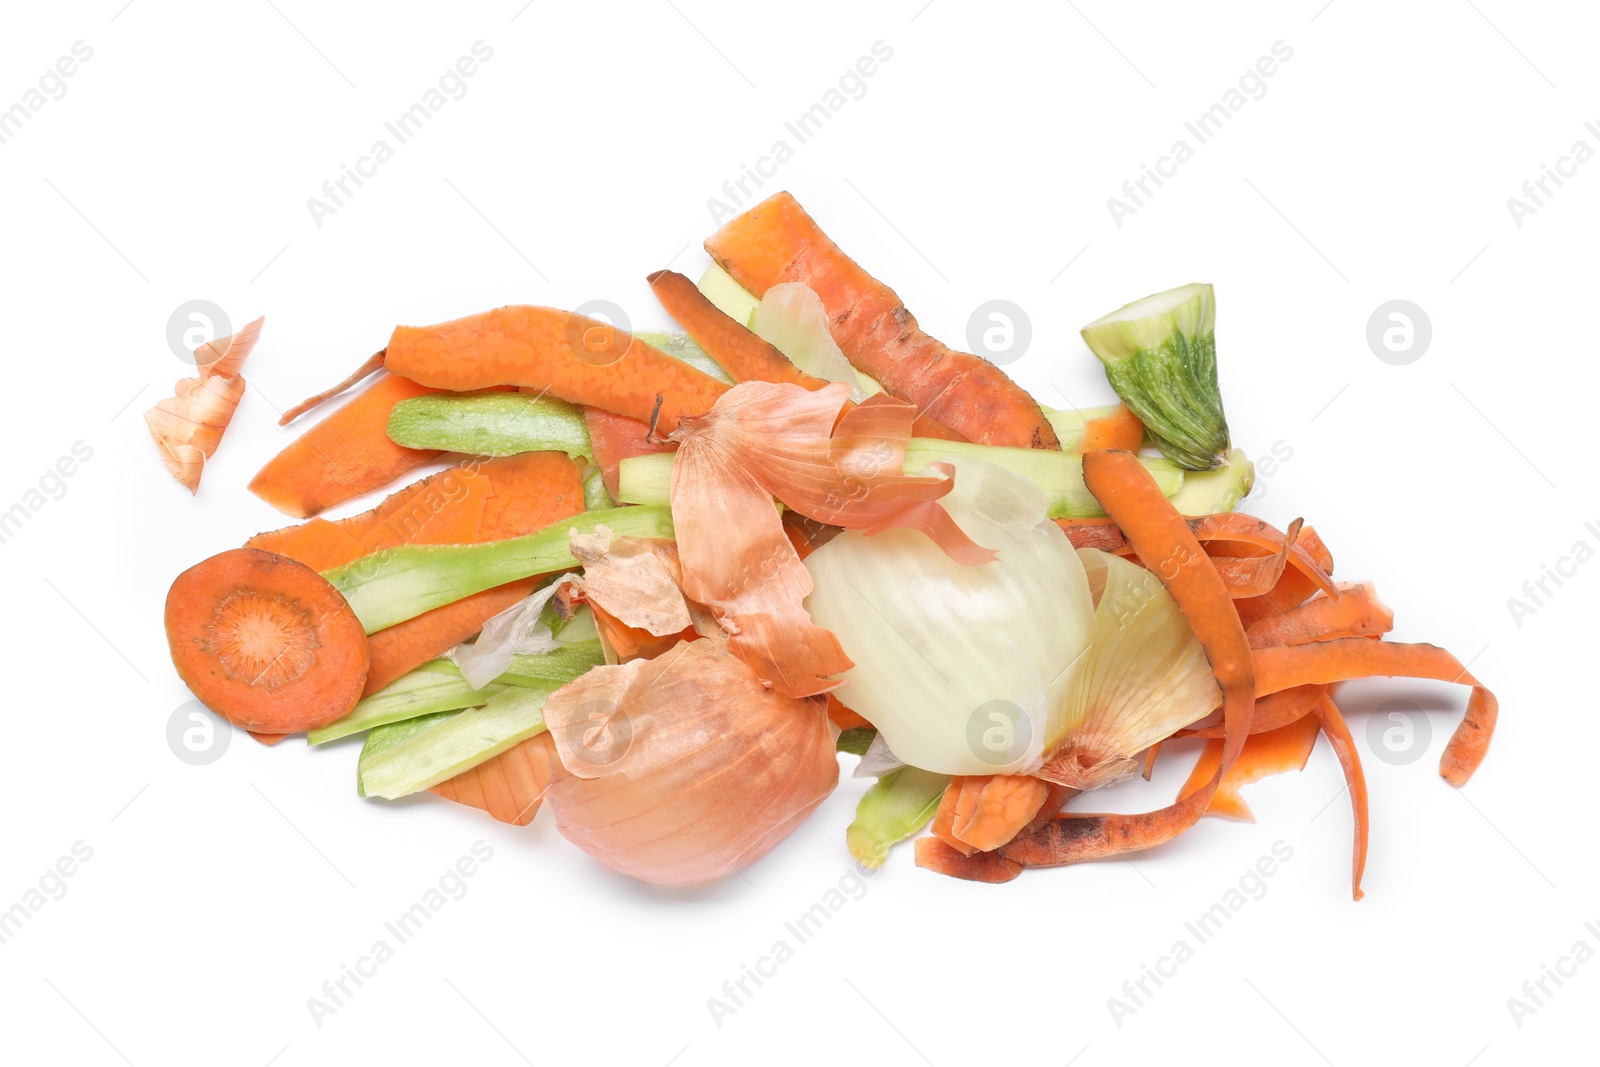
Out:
{"x": 1161, "y": 537}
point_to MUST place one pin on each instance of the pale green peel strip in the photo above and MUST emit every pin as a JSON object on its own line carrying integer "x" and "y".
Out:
{"x": 895, "y": 807}
{"x": 446, "y": 748}
{"x": 490, "y": 424}
{"x": 401, "y": 583}
{"x": 438, "y": 686}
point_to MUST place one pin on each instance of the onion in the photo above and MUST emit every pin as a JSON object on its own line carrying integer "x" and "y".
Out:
{"x": 1145, "y": 677}
{"x": 684, "y": 768}
{"x": 961, "y": 668}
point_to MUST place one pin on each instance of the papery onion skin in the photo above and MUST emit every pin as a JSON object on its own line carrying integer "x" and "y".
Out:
{"x": 685, "y": 768}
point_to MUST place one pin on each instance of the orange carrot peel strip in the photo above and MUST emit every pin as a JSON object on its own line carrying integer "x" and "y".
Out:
{"x": 992, "y": 809}
{"x": 1165, "y": 541}
{"x": 1120, "y": 429}
{"x": 1273, "y": 712}
{"x": 1242, "y": 534}
{"x": 763, "y": 440}
{"x": 1258, "y": 575}
{"x": 1344, "y": 747}
{"x": 776, "y": 241}
{"x": 569, "y": 356}
{"x": 938, "y": 855}
{"x": 188, "y": 426}
{"x": 1326, "y": 662}
{"x": 739, "y": 351}
{"x": 346, "y": 454}
{"x": 1270, "y": 752}
{"x": 1356, "y": 613}
{"x": 742, "y": 353}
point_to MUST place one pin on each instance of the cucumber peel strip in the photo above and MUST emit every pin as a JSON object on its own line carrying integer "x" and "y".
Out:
{"x": 400, "y": 583}
{"x": 491, "y": 423}
{"x": 895, "y": 807}
{"x": 441, "y": 749}
{"x": 438, "y": 686}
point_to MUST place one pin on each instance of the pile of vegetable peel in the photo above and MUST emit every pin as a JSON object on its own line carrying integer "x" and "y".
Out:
{"x": 669, "y": 578}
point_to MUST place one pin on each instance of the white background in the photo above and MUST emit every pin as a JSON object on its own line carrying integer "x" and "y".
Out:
{"x": 977, "y": 165}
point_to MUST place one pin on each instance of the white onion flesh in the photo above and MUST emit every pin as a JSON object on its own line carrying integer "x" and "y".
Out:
{"x": 962, "y": 669}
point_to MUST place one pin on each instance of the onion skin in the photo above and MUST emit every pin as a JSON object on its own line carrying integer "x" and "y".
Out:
{"x": 683, "y": 769}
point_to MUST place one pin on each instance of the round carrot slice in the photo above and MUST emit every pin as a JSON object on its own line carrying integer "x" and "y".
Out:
{"x": 265, "y": 642}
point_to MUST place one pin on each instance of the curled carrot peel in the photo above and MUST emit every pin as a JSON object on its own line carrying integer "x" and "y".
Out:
{"x": 1344, "y": 747}
{"x": 776, "y": 241}
{"x": 937, "y": 855}
{"x": 1273, "y": 711}
{"x": 1231, "y": 536}
{"x": 1356, "y": 613}
{"x": 1165, "y": 541}
{"x": 943, "y": 826}
{"x": 1054, "y": 801}
{"x": 741, "y": 352}
{"x": 1293, "y": 589}
{"x": 1251, "y": 531}
{"x": 1266, "y": 753}
{"x": 1326, "y": 662}
{"x": 1256, "y": 576}
{"x": 569, "y": 356}
{"x": 993, "y": 808}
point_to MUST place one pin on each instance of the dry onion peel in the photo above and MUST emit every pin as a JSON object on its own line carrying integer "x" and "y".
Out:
{"x": 636, "y": 581}
{"x": 763, "y": 440}
{"x": 517, "y": 629}
{"x": 188, "y": 426}
{"x": 684, "y": 768}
